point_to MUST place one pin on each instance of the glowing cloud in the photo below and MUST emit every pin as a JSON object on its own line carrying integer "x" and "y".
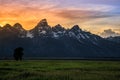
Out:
{"x": 93, "y": 15}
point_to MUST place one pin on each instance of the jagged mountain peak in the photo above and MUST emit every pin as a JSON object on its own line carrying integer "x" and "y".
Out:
{"x": 17, "y": 25}
{"x": 9, "y": 31}
{"x": 75, "y": 27}
{"x": 7, "y": 26}
{"x": 58, "y": 27}
{"x": 41, "y": 29}
{"x": 42, "y": 23}
{"x": 43, "y": 20}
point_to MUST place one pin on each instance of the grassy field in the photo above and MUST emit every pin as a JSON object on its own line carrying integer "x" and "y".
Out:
{"x": 59, "y": 70}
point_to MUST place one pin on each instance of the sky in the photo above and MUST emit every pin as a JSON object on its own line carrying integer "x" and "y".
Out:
{"x": 96, "y": 16}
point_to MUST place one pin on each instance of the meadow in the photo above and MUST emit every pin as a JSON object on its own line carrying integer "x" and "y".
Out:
{"x": 59, "y": 70}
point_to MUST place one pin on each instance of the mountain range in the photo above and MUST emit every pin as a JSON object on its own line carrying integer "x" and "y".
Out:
{"x": 46, "y": 41}
{"x": 114, "y": 39}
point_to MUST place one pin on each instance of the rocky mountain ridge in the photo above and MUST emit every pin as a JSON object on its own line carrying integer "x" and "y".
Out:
{"x": 46, "y": 41}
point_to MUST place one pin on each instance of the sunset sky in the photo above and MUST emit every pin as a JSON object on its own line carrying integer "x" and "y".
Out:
{"x": 95, "y": 16}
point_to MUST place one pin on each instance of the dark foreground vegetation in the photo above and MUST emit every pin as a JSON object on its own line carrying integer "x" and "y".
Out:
{"x": 59, "y": 70}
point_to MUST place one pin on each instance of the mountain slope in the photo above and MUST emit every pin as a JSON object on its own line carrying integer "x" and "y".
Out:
{"x": 42, "y": 29}
{"x": 46, "y": 41}
{"x": 21, "y": 31}
{"x": 114, "y": 39}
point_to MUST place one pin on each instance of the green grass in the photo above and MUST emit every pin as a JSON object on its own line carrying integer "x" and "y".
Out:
{"x": 59, "y": 70}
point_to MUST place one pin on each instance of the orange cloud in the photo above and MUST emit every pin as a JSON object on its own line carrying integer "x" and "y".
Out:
{"x": 29, "y": 13}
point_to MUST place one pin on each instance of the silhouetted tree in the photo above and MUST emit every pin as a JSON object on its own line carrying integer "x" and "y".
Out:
{"x": 18, "y": 53}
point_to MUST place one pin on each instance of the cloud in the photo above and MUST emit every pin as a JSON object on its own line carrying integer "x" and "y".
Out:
{"x": 117, "y": 29}
{"x": 81, "y": 15}
{"x": 94, "y": 13}
{"x": 109, "y": 32}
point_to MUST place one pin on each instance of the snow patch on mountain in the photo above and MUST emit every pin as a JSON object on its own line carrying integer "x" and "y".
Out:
{"x": 29, "y": 35}
{"x": 55, "y": 35}
{"x": 43, "y": 32}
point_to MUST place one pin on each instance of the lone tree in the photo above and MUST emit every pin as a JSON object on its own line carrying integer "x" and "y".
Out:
{"x": 18, "y": 53}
